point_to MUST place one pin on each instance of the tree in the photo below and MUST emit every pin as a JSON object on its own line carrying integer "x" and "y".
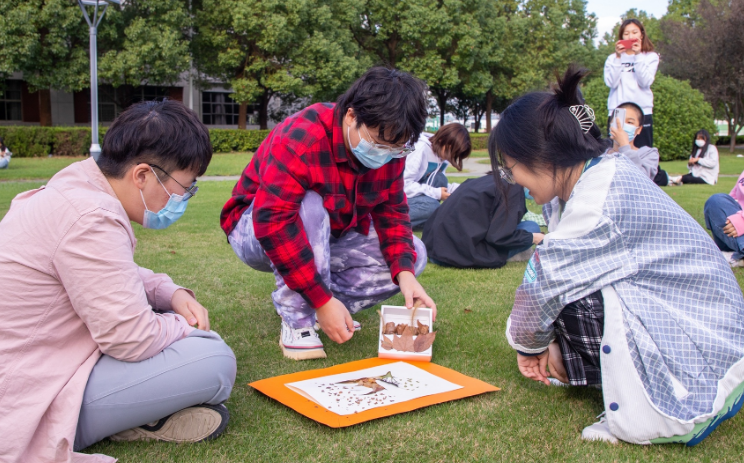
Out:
{"x": 709, "y": 52}
{"x": 269, "y": 47}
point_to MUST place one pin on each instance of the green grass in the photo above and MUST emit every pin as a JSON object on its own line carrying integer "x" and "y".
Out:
{"x": 525, "y": 421}
{"x": 35, "y": 168}
{"x": 228, "y": 163}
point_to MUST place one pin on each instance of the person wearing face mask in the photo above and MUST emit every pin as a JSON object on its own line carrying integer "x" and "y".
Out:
{"x": 624, "y": 134}
{"x": 92, "y": 344}
{"x": 322, "y": 206}
{"x": 702, "y": 164}
{"x": 629, "y": 72}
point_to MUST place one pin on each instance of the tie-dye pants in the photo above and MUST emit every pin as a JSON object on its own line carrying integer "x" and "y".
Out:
{"x": 352, "y": 266}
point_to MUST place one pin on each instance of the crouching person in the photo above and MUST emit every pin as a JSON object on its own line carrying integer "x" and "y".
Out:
{"x": 322, "y": 206}
{"x": 92, "y": 345}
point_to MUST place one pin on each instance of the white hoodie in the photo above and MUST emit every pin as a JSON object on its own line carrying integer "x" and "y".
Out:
{"x": 629, "y": 78}
{"x": 418, "y": 163}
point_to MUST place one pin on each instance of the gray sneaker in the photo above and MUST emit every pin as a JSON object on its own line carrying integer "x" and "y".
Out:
{"x": 599, "y": 431}
{"x": 193, "y": 424}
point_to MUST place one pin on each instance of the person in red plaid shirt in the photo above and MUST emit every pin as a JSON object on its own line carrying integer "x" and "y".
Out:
{"x": 321, "y": 204}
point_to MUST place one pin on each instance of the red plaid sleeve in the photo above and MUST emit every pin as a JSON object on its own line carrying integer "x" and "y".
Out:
{"x": 284, "y": 179}
{"x": 393, "y": 227}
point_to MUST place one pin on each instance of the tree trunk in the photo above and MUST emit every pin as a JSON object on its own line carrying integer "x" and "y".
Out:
{"x": 489, "y": 110}
{"x": 45, "y": 107}
{"x": 263, "y": 110}
{"x": 242, "y": 116}
{"x": 442, "y": 102}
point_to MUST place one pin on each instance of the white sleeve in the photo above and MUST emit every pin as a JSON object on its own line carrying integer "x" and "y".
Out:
{"x": 612, "y": 71}
{"x": 710, "y": 159}
{"x": 411, "y": 185}
{"x": 646, "y": 65}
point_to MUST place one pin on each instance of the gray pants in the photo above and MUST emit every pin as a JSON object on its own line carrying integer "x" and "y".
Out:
{"x": 352, "y": 266}
{"x": 120, "y": 395}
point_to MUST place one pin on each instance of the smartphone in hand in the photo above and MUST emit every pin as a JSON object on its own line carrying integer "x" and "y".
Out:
{"x": 627, "y": 44}
{"x": 618, "y": 115}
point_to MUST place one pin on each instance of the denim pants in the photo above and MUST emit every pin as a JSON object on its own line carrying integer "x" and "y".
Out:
{"x": 198, "y": 369}
{"x": 4, "y": 162}
{"x": 421, "y": 207}
{"x": 352, "y": 266}
{"x": 531, "y": 227}
{"x": 717, "y": 209}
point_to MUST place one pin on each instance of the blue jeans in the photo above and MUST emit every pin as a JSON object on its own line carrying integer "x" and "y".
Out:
{"x": 531, "y": 227}
{"x": 421, "y": 207}
{"x": 4, "y": 162}
{"x": 717, "y": 209}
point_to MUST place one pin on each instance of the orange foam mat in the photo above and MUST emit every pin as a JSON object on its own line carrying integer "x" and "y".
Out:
{"x": 276, "y": 389}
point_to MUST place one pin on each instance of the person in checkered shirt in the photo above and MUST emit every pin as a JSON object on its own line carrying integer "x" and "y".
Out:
{"x": 322, "y": 206}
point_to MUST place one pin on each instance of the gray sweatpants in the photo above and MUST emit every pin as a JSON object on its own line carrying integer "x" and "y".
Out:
{"x": 352, "y": 266}
{"x": 120, "y": 395}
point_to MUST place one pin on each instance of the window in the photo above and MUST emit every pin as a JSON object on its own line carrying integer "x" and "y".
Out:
{"x": 10, "y": 101}
{"x": 112, "y": 101}
{"x": 219, "y": 109}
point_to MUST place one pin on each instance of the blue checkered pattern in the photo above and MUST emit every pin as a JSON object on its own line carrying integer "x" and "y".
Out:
{"x": 682, "y": 307}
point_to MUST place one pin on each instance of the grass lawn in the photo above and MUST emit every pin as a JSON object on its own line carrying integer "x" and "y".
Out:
{"x": 525, "y": 421}
{"x": 729, "y": 163}
{"x": 228, "y": 163}
{"x": 35, "y": 168}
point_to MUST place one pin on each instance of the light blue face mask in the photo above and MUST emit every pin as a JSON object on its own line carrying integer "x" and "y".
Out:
{"x": 173, "y": 210}
{"x": 371, "y": 156}
{"x": 630, "y": 130}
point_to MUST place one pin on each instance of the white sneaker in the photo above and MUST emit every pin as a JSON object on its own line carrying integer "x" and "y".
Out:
{"x": 557, "y": 382}
{"x": 733, "y": 263}
{"x": 193, "y": 424}
{"x": 523, "y": 256}
{"x": 675, "y": 180}
{"x": 599, "y": 431}
{"x": 357, "y": 326}
{"x": 301, "y": 343}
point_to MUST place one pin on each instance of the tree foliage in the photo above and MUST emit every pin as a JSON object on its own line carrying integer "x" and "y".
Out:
{"x": 709, "y": 52}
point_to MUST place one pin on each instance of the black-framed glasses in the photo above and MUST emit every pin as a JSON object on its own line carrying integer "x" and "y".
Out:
{"x": 188, "y": 192}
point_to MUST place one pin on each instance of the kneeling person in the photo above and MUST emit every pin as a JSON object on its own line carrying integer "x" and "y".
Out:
{"x": 322, "y": 205}
{"x": 92, "y": 344}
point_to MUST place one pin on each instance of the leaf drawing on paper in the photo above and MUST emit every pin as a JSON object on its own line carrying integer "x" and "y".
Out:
{"x": 423, "y": 342}
{"x": 386, "y": 343}
{"x": 371, "y": 382}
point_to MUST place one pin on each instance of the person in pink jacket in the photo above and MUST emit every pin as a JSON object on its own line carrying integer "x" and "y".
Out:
{"x": 91, "y": 344}
{"x": 724, "y": 217}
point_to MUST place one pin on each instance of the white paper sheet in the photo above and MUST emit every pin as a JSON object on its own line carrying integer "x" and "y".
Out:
{"x": 347, "y": 399}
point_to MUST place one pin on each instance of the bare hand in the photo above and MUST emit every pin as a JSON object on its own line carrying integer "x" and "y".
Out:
{"x": 537, "y": 238}
{"x": 619, "y": 49}
{"x": 636, "y": 47}
{"x": 335, "y": 321}
{"x": 730, "y": 230}
{"x": 414, "y": 293}
{"x": 693, "y": 161}
{"x": 618, "y": 134}
{"x": 186, "y": 306}
{"x": 445, "y": 193}
{"x": 534, "y": 366}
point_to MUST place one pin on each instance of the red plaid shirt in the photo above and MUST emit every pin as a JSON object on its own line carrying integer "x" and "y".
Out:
{"x": 307, "y": 152}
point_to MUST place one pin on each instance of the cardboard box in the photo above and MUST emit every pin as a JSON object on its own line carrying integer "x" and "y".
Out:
{"x": 400, "y": 314}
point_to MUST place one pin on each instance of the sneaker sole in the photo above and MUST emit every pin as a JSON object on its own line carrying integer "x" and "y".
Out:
{"x": 193, "y": 424}
{"x": 302, "y": 354}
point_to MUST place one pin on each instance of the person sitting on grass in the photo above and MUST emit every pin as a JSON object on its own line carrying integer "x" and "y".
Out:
{"x": 703, "y": 162}
{"x": 626, "y": 291}
{"x": 92, "y": 344}
{"x": 425, "y": 182}
{"x": 322, "y": 206}
{"x": 5, "y": 154}
{"x": 623, "y": 136}
{"x": 724, "y": 217}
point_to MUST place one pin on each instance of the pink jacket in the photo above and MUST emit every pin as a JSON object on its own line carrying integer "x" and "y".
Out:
{"x": 738, "y": 194}
{"x": 70, "y": 291}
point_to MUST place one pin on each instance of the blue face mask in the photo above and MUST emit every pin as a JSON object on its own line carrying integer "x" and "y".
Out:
{"x": 369, "y": 155}
{"x": 630, "y": 130}
{"x": 173, "y": 210}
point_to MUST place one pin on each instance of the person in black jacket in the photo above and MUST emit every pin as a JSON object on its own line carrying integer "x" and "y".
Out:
{"x": 477, "y": 228}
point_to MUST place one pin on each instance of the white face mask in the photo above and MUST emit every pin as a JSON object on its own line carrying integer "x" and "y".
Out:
{"x": 700, "y": 143}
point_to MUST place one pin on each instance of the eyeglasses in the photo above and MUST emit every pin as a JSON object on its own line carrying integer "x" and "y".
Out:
{"x": 507, "y": 174}
{"x": 188, "y": 192}
{"x": 396, "y": 152}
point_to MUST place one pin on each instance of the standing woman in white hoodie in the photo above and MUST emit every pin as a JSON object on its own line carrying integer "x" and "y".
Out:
{"x": 629, "y": 72}
{"x": 425, "y": 184}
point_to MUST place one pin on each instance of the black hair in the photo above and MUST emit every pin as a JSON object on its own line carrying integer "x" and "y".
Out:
{"x": 538, "y": 130}
{"x": 2, "y": 144}
{"x": 704, "y": 149}
{"x": 630, "y": 104}
{"x": 164, "y": 133}
{"x": 646, "y": 44}
{"x": 390, "y": 100}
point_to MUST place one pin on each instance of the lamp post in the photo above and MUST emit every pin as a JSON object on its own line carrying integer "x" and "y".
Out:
{"x": 93, "y": 22}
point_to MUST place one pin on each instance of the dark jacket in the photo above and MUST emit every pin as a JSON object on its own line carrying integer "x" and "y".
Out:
{"x": 475, "y": 228}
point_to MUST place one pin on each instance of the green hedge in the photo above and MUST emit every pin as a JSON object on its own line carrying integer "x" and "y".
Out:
{"x": 32, "y": 141}
{"x": 479, "y": 141}
{"x": 725, "y": 140}
{"x": 679, "y": 112}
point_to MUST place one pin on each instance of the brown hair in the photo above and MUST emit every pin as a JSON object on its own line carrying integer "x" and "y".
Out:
{"x": 456, "y": 139}
{"x": 646, "y": 44}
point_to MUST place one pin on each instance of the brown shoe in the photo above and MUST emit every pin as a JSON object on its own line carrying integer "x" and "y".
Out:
{"x": 193, "y": 424}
